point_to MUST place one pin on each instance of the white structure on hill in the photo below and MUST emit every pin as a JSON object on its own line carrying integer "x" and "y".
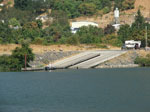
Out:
{"x": 116, "y": 24}
{"x": 76, "y": 25}
{"x": 1, "y": 4}
{"x": 116, "y": 15}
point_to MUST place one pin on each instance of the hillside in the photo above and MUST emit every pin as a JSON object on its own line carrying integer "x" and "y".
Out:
{"x": 10, "y": 2}
{"x": 144, "y": 5}
{"x": 126, "y": 17}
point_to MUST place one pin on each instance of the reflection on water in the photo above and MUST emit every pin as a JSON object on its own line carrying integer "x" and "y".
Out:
{"x": 92, "y": 90}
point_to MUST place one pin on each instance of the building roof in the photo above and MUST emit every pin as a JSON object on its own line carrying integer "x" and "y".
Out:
{"x": 83, "y": 23}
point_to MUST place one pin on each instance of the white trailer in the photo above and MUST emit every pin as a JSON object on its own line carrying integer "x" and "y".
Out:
{"x": 131, "y": 44}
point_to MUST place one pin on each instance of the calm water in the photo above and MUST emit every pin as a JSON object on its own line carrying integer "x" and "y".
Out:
{"x": 92, "y": 90}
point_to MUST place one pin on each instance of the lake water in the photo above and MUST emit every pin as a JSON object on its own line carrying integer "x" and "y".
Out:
{"x": 91, "y": 90}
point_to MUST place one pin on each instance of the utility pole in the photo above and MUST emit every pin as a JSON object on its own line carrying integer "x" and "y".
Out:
{"x": 25, "y": 62}
{"x": 146, "y": 38}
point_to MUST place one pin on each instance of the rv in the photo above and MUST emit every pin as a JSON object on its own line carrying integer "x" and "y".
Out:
{"x": 131, "y": 44}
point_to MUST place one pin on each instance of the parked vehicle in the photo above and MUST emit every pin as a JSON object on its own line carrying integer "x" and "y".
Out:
{"x": 131, "y": 44}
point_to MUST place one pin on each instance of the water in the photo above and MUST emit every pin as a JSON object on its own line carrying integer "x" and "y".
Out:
{"x": 92, "y": 90}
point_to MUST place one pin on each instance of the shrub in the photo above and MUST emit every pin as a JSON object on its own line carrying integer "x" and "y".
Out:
{"x": 142, "y": 61}
{"x": 101, "y": 46}
{"x": 112, "y": 40}
{"x": 106, "y": 10}
{"x": 74, "y": 40}
{"x": 90, "y": 34}
{"x": 38, "y": 41}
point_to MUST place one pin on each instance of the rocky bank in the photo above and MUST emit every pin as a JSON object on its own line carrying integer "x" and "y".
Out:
{"x": 125, "y": 60}
{"x": 50, "y": 57}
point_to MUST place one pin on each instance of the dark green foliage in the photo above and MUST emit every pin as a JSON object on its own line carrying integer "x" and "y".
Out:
{"x": 16, "y": 61}
{"x": 109, "y": 29}
{"x": 22, "y": 16}
{"x": 87, "y": 8}
{"x": 90, "y": 34}
{"x": 32, "y": 5}
{"x": 23, "y": 4}
{"x": 136, "y": 31}
{"x": 31, "y": 30}
{"x": 112, "y": 39}
{"x": 5, "y": 33}
{"x": 19, "y": 53}
{"x": 8, "y": 63}
{"x": 124, "y": 4}
{"x": 73, "y": 8}
{"x": 139, "y": 21}
{"x": 124, "y": 32}
{"x": 73, "y": 40}
{"x": 143, "y": 61}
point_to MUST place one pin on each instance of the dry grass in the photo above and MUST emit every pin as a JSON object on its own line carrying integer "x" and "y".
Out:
{"x": 40, "y": 49}
{"x": 143, "y": 53}
{"x": 7, "y": 49}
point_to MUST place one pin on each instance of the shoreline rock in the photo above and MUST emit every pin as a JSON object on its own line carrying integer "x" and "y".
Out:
{"x": 50, "y": 57}
{"x": 123, "y": 61}
{"x": 120, "y": 66}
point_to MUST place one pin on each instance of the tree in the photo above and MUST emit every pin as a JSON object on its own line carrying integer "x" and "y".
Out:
{"x": 8, "y": 63}
{"x": 14, "y": 22}
{"x": 5, "y": 33}
{"x": 139, "y": 21}
{"x": 87, "y": 8}
{"x": 19, "y": 53}
{"x": 23, "y": 4}
{"x": 128, "y": 4}
{"x": 90, "y": 34}
{"x": 124, "y": 4}
{"x": 124, "y": 32}
{"x": 31, "y": 30}
{"x": 16, "y": 61}
{"x": 109, "y": 29}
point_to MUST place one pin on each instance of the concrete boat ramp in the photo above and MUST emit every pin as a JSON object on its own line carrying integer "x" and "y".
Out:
{"x": 87, "y": 59}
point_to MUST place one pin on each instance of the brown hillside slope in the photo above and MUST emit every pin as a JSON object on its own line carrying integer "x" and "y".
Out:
{"x": 8, "y": 2}
{"x": 126, "y": 17}
{"x": 144, "y": 5}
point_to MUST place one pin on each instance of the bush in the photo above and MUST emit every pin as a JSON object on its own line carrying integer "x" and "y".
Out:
{"x": 106, "y": 10}
{"x": 142, "y": 61}
{"x": 74, "y": 40}
{"x": 101, "y": 46}
{"x": 8, "y": 63}
{"x": 16, "y": 61}
{"x": 63, "y": 40}
{"x": 112, "y": 40}
{"x": 38, "y": 41}
{"x": 90, "y": 34}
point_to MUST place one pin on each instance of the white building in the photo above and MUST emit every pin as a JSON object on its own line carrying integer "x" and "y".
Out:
{"x": 76, "y": 25}
{"x": 1, "y": 5}
{"x": 116, "y": 26}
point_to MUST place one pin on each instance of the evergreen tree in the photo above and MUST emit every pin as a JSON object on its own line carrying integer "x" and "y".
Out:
{"x": 139, "y": 21}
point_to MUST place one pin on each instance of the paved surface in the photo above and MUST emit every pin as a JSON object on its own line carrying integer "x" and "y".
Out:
{"x": 105, "y": 56}
{"x": 66, "y": 63}
{"x": 87, "y": 59}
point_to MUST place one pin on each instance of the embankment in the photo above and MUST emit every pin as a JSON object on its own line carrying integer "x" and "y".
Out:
{"x": 124, "y": 61}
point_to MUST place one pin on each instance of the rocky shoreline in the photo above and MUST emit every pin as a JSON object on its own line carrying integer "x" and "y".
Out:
{"x": 50, "y": 57}
{"x": 124, "y": 61}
